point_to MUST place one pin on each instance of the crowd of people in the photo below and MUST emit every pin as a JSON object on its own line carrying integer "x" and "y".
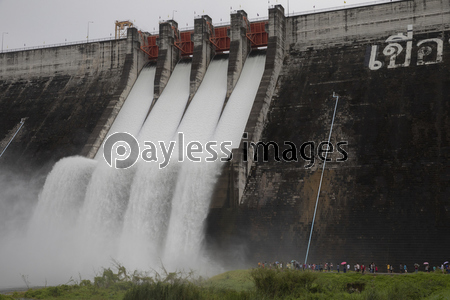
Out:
{"x": 344, "y": 267}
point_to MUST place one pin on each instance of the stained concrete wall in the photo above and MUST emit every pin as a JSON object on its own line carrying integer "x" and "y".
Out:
{"x": 276, "y": 47}
{"x": 238, "y": 170}
{"x": 389, "y": 201}
{"x": 231, "y": 184}
{"x": 204, "y": 51}
{"x": 365, "y": 23}
{"x": 168, "y": 55}
{"x": 70, "y": 94}
{"x": 239, "y": 49}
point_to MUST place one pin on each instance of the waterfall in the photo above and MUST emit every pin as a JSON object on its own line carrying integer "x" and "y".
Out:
{"x": 134, "y": 111}
{"x": 48, "y": 249}
{"x": 107, "y": 195}
{"x": 63, "y": 196}
{"x": 154, "y": 211}
{"x": 195, "y": 184}
{"x": 149, "y": 207}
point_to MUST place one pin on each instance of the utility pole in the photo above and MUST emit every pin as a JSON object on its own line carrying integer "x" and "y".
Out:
{"x": 87, "y": 37}
{"x": 3, "y": 34}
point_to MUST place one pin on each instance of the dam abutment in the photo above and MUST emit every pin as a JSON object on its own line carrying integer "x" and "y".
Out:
{"x": 240, "y": 47}
{"x": 238, "y": 169}
{"x": 168, "y": 55}
{"x": 204, "y": 51}
{"x": 276, "y": 50}
{"x": 134, "y": 62}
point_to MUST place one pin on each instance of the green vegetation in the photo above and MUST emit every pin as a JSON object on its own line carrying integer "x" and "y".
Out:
{"x": 238, "y": 280}
{"x": 249, "y": 284}
{"x": 109, "y": 285}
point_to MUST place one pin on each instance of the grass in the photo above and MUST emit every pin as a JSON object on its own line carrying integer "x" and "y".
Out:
{"x": 249, "y": 284}
{"x": 287, "y": 284}
{"x": 238, "y": 280}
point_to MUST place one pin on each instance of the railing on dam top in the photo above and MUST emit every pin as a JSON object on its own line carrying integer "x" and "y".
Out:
{"x": 342, "y": 7}
{"x": 221, "y": 24}
{"x": 218, "y": 36}
{"x": 60, "y": 44}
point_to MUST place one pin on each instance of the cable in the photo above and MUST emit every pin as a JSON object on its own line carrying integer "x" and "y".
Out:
{"x": 22, "y": 121}
{"x": 321, "y": 177}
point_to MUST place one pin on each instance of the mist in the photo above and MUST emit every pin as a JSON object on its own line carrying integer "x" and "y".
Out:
{"x": 19, "y": 193}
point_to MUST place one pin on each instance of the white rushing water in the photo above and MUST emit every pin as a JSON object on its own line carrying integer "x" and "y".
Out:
{"x": 109, "y": 190}
{"x": 63, "y": 196}
{"x": 149, "y": 213}
{"x": 46, "y": 252}
{"x": 89, "y": 213}
{"x": 134, "y": 111}
{"x": 196, "y": 180}
{"x": 235, "y": 114}
{"x": 149, "y": 207}
{"x": 75, "y": 223}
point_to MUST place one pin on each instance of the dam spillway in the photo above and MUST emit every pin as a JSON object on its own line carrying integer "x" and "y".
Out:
{"x": 125, "y": 214}
{"x": 387, "y": 202}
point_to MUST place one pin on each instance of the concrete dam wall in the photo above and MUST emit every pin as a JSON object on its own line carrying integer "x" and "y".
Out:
{"x": 388, "y": 202}
{"x": 384, "y": 195}
{"x": 69, "y": 95}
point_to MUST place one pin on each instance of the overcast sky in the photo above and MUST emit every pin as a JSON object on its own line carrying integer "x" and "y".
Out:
{"x": 38, "y": 22}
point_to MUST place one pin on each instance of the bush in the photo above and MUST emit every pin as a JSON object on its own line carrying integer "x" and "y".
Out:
{"x": 107, "y": 279}
{"x": 164, "y": 291}
{"x": 234, "y": 285}
{"x": 85, "y": 282}
{"x": 279, "y": 283}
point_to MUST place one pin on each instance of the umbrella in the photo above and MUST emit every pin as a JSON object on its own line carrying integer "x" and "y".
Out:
{"x": 425, "y": 263}
{"x": 445, "y": 263}
{"x": 343, "y": 263}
